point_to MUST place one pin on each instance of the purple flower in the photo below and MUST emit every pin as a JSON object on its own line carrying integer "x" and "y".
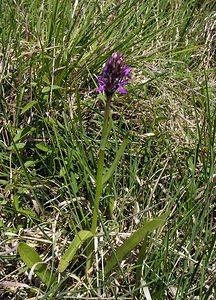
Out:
{"x": 115, "y": 75}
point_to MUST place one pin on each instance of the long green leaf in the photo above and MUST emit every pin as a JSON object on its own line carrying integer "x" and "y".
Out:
{"x": 132, "y": 242}
{"x": 30, "y": 258}
{"x": 111, "y": 170}
{"x": 81, "y": 237}
{"x": 28, "y": 106}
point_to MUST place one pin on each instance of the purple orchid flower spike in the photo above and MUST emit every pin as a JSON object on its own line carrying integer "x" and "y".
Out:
{"x": 115, "y": 75}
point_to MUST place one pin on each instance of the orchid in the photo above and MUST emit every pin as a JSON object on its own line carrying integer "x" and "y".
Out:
{"x": 115, "y": 75}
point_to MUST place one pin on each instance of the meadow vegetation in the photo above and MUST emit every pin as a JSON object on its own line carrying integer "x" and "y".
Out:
{"x": 155, "y": 235}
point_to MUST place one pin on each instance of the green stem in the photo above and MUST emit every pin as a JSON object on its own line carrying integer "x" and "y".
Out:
{"x": 100, "y": 166}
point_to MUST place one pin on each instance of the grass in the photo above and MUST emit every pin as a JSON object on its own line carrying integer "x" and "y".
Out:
{"x": 50, "y": 126}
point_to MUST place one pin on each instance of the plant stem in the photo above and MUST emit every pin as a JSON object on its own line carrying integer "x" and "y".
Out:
{"x": 99, "y": 179}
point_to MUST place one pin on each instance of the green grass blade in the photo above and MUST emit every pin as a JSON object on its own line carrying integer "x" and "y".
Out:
{"x": 79, "y": 239}
{"x": 132, "y": 242}
{"x": 31, "y": 258}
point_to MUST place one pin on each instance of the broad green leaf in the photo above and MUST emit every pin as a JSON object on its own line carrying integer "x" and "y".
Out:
{"x": 19, "y": 146}
{"x": 42, "y": 147}
{"x": 30, "y": 258}
{"x": 26, "y": 212}
{"x": 132, "y": 242}
{"x": 28, "y": 106}
{"x": 46, "y": 79}
{"x": 3, "y": 182}
{"x": 47, "y": 89}
{"x": 111, "y": 170}
{"x": 23, "y": 132}
{"x": 56, "y": 87}
{"x": 29, "y": 163}
{"x": 81, "y": 237}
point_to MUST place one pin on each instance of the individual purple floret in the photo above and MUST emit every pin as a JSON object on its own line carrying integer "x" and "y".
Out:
{"x": 115, "y": 75}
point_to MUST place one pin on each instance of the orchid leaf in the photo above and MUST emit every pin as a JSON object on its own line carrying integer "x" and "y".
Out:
{"x": 132, "y": 242}
{"x": 31, "y": 258}
{"x": 78, "y": 240}
{"x": 111, "y": 170}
